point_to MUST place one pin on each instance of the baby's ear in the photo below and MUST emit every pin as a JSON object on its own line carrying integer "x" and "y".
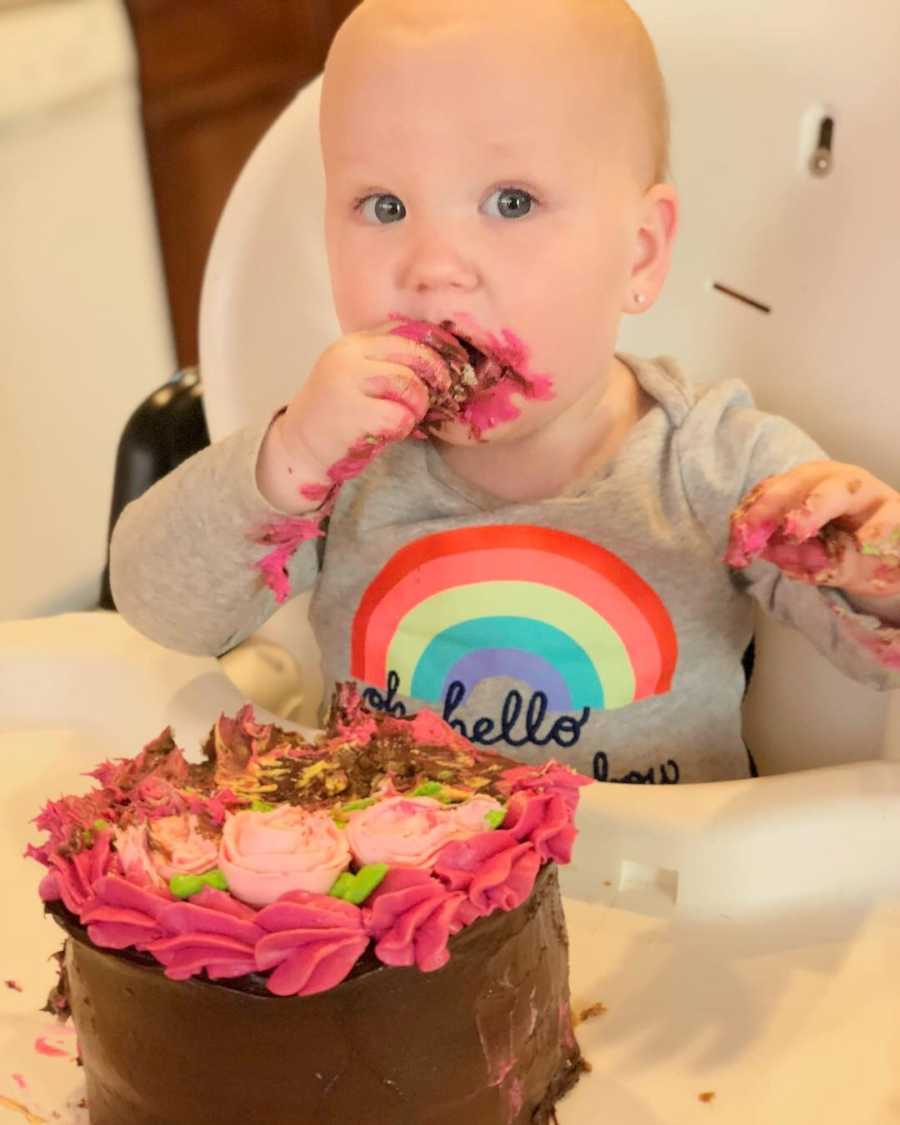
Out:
{"x": 658, "y": 218}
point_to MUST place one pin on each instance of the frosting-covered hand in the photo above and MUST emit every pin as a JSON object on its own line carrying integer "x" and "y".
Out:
{"x": 826, "y": 524}
{"x": 364, "y": 392}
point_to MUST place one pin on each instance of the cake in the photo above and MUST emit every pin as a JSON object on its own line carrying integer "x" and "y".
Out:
{"x": 363, "y": 928}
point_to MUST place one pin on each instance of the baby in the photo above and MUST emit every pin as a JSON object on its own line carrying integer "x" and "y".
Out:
{"x": 552, "y": 544}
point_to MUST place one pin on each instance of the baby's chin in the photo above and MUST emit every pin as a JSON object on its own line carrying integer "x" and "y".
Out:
{"x": 460, "y": 434}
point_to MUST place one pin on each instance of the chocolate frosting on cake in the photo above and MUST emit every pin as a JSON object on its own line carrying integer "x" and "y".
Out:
{"x": 486, "y": 1040}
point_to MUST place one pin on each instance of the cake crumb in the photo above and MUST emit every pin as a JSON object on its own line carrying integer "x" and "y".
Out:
{"x": 31, "y": 1118}
{"x": 592, "y": 1012}
{"x": 607, "y": 882}
{"x": 14, "y": 985}
{"x": 707, "y": 1097}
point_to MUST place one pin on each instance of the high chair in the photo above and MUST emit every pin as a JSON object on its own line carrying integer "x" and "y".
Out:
{"x": 743, "y": 938}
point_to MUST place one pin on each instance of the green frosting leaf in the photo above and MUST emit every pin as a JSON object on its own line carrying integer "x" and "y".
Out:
{"x": 342, "y": 884}
{"x": 495, "y": 817}
{"x": 215, "y": 879}
{"x": 183, "y": 886}
{"x": 357, "y": 888}
{"x": 362, "y": 803}
{"x": 429, "y": 789}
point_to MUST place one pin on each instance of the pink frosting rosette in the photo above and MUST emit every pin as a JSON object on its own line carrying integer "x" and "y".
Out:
{"x": 493, "y": 870}
{"x": 410, "y": 831}
{"x": 545, "y": 821}
{"x": 151, "y": 853}
{"x": 120, "y": 915}
{"x": 549, "y": 778}
{"x": 212, "y": 932}
{"x": 264, "y": 855}
{"x": 411, "y": 916}
{"x": 312, "y": 942}
{"x": 72, "y": 878}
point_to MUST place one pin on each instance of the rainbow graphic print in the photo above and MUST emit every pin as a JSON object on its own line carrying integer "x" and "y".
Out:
{"x": 550, "y": 609}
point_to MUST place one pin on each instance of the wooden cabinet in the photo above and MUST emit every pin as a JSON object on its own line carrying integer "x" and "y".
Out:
{"x": 214, "y": 74}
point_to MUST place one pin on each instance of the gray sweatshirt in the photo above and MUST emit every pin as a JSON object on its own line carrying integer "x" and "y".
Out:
{"x": 600, "y": 627}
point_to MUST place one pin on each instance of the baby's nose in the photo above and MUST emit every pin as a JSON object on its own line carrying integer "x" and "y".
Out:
{"x": 436, "y": 262}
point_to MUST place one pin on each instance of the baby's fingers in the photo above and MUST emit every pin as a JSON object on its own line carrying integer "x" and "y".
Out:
{"x": 762, "y": 512}
{"x": 395, "y": 383}
{"x": 845, "y": 494}
{"x": 879, "y": 536}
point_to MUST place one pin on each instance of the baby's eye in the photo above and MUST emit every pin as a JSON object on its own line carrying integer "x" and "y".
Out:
{"x": 512, "y": 203}
{"x": 382, "y": 208}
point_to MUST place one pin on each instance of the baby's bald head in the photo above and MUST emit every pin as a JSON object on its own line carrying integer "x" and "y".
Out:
{"x": 603, "y": 41}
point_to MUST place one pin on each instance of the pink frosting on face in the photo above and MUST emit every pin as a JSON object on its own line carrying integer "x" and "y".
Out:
{"x": 265, "y": 855}
{"x": 410, "y": 831}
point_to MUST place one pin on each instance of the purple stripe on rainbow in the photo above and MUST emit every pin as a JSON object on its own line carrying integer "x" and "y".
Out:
{"x": 533, "y": 670}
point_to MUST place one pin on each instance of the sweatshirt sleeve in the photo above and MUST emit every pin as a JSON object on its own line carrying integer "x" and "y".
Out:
{"x": 185, "y": 557}
{"x": 725, "y": 447}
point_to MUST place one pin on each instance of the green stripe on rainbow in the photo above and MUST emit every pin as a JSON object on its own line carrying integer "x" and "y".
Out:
{"x": 548, "y": 602}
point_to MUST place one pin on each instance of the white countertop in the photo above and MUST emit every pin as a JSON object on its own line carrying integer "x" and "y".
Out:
{"x": 743, "y": 936}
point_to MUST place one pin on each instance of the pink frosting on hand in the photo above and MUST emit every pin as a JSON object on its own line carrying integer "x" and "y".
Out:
{"x": 545, "y": 821}
{"x": 494, "y": 871}
{"x": 265, "y": 855}
{"x": 120, "y": 915}
{"x": 411, "y": 917}
{"x": 410, "y": 831}
{"x": 312, "y": 943}
{"x": 208, "y": 934}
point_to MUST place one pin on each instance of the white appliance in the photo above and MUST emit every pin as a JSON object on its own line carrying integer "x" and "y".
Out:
{"x": 84, "y": 330}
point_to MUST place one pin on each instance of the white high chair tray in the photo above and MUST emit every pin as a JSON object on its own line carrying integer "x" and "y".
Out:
{"x": 743, "y": 937}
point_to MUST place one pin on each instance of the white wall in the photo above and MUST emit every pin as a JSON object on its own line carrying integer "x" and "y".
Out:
{"x": 84, "y": 332}
{"x": 745, "y": 81}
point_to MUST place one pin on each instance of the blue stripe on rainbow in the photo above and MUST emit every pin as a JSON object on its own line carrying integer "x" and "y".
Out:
{"x": 534, "y": 648}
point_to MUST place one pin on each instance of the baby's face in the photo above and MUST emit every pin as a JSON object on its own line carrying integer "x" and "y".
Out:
{"x": 489, "y": 179}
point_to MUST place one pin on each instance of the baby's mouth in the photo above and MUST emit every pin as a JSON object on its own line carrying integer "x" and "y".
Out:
{"x": 477, "y": 375}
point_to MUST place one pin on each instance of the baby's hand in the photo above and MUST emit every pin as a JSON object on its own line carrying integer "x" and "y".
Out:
{"x": 823, "y": 523}
{"x": 368, "y": 389}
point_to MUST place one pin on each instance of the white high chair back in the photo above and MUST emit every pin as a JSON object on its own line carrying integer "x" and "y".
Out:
{"x": 746, "y": 124}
